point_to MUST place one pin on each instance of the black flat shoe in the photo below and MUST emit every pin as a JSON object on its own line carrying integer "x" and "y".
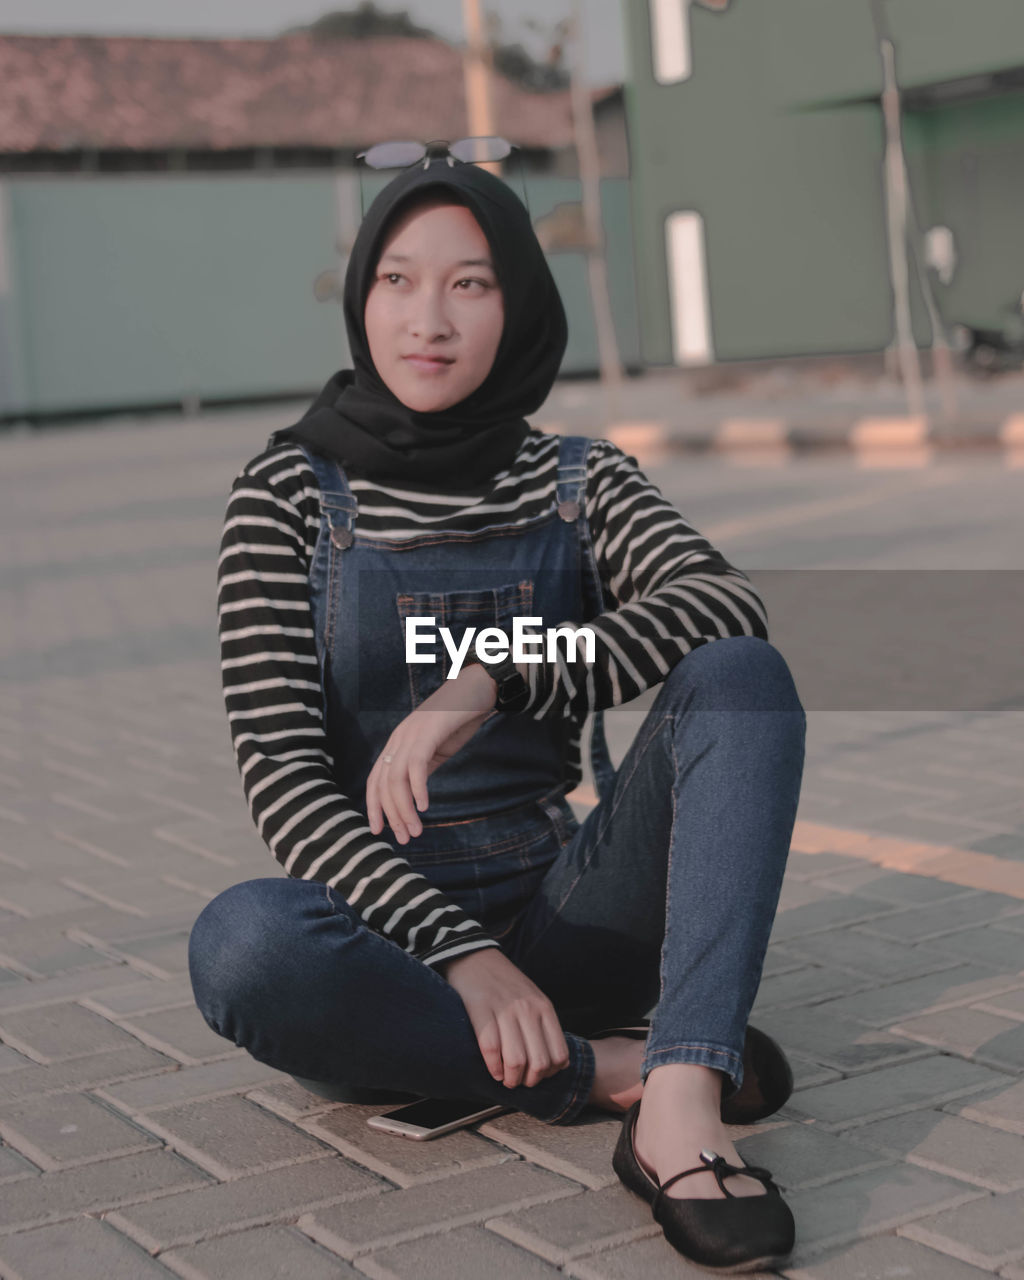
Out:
{"x": 767, "y": 1081}
{"x": 767, "y": 1075}
{"x": 739, "y": 1233}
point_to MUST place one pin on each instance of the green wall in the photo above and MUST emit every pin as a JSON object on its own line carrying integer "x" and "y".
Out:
{"x": 969, "y": 170}
{"x": 773, "y": 140}
{"x": 131, "y": 291}
{"x": 138, "y": 290}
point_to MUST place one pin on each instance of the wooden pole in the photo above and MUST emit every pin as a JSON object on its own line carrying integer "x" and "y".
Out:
{"x": 590, "y": 184}
{"x": 477, "y": 72}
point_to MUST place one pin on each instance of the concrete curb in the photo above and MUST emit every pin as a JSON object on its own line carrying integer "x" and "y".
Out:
{"x": 652, "y": 440}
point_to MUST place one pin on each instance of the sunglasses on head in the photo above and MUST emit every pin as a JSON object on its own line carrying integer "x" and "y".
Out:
{"x": 406, "y": 153}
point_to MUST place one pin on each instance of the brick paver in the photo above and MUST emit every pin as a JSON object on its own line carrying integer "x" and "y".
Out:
{"x": 467, "y": 1251}
{"x": 985, "y": 1232}
{"x": 884, "y": 1256}
{"x": 67, "y": 1129}
{"x": 431, "y": 1207}
{"x": 263, "y": 1253}
{"x": 891, "y": 1090}
{"x": 79, "y": 1249}
{"x": 106, "y": 1184}
{"x": 570, "y": 1228}
{"x": 231, "y": 1137}
{"x": 136, "y": 1142}
{"x": 948, "y": 1144}
{"x": 220, "y": 1208}
{"x": 877, "y": 1200}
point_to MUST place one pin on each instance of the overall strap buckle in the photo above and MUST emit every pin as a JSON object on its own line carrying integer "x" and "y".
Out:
{"x": 572, "y": 476}
{"x": 339, "y": 508}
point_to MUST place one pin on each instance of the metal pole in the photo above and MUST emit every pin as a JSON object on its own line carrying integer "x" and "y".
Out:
{"x": 590, "y": 183}
{"x": 942, "y": 358}
{"x": 896, "y": 220}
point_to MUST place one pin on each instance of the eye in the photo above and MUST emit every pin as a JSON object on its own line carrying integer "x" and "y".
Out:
{"x": 387, "y": 275}
{"x": 473, "y": 280}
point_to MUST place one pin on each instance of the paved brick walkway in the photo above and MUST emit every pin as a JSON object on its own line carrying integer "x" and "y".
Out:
{"x": 137, "y": 1143}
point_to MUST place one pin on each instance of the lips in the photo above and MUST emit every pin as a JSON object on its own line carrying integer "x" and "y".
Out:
{"x": 428, "y": 366}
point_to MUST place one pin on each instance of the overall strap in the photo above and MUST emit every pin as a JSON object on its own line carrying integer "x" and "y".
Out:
{"x": 571, "y": 499}
{"x": 572, "y": 475}
{"x": 338, "y": 505}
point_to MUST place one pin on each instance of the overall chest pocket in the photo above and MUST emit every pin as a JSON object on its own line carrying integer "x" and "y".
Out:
{"x": 458, "y": 611}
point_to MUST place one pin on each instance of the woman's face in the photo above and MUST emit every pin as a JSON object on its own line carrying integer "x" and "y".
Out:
{"x": 434, "y": 314}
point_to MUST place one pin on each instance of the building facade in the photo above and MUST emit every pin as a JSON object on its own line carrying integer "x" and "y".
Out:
{"x": 756, "y": 137}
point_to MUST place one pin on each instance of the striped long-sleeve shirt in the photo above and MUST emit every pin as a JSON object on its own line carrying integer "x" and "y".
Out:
{"x": 672, "y": 591}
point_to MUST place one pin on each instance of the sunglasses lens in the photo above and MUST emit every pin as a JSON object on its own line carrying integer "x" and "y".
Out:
{"x": 394, "y": 155}
{"x": 473, "y": 150}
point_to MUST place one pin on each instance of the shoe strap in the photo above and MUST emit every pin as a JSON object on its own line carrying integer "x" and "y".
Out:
{"x": 721, "y": 1168}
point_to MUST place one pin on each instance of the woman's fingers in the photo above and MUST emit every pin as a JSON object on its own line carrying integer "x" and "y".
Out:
{"x": 513, "y": 1050}
{"x": 418, "y": 783}
{"x": 396, "y": 793}
{"x": 538, "y": 1058}
{"x": 489, "y": 1040}
{"x": 396, "y": 788}
{"x": 388, "y": 803}
{"x": 558, "y": 1049}
{"x": 401, "y": 795}
{"x": 380, "y": 807}
{"x": 517, "y": 1027}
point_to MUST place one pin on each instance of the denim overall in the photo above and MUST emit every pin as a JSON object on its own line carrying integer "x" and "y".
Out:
{"x": 497, "y": 813}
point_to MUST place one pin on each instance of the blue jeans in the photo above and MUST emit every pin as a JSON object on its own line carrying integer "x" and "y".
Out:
{"x": 663, "y": 899}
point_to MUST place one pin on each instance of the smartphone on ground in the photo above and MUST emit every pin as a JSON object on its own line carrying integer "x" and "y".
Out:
{"x": 432, "y": 1117}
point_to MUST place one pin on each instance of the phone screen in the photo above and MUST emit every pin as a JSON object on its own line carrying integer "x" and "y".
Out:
{"x": 431, "y": 1113}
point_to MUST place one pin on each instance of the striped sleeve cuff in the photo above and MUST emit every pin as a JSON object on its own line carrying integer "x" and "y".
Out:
{"x": 457, "y": 947}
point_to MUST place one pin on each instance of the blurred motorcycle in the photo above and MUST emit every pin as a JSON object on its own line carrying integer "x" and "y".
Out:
{"x": 988, "y": 351}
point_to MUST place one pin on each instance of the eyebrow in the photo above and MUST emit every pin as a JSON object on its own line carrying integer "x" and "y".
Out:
{"x": 465, "y": 262}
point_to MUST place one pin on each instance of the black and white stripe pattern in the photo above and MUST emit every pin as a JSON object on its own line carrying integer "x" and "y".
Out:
{"x": 672, "y": 591}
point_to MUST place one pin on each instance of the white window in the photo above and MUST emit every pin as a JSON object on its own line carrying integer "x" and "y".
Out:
{"x": 670, "y": 40}
{"x": 688, "y": 288}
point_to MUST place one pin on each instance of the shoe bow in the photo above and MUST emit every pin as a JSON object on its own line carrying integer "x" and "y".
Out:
{"x": 722, "y": 1169}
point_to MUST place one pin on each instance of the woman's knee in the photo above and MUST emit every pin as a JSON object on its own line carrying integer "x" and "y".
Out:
{"x": 735, "y": 673}
{"x": 242, "y": 939}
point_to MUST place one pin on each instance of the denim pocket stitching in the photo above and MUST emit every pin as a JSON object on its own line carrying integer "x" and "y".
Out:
{"x": 511, "y": 844}
{"x": 492, "y": 606}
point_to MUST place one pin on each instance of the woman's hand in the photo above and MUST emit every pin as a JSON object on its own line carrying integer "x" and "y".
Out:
{"x": 516, "y": 1025}
{"x": 425, "y": 739}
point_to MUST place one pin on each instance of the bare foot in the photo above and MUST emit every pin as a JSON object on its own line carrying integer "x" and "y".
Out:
{"x": 679, "y": 1116}
{"x": 617, "y": 1062}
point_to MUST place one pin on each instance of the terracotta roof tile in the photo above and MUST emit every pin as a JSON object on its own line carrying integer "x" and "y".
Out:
{"x": 148, "y": 93}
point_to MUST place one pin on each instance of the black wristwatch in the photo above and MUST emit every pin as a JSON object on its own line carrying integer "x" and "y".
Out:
{"x": 513, "y": 691}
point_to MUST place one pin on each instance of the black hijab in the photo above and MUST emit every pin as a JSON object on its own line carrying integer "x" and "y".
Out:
{"x": 357, "y": 419}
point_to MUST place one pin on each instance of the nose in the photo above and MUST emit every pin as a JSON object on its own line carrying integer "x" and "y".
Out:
{"x": 429, "y": 317}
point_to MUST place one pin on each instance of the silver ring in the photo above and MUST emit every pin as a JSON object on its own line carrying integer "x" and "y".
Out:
{"x": 388, "y": 759}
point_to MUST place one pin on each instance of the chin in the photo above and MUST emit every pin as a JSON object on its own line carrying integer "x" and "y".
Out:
{"x": 415, "y": 398}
